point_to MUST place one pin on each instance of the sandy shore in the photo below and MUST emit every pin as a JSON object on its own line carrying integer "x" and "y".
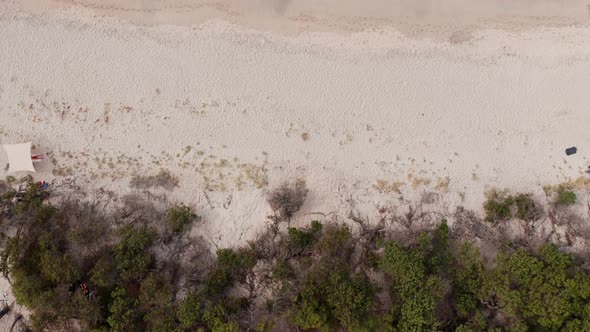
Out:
{"x": 371, "y": 105}
{"x": 361, "y": 114}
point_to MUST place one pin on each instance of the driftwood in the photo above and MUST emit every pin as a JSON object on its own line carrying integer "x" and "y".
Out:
{"x": 6, "y": 310}
{"x": 16, "y": 319}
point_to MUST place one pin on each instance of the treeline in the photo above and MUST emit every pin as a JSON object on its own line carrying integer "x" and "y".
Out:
{"x": 322, "y": 277}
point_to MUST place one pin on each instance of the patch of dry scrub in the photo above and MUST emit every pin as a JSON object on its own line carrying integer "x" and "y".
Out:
{"x": 287, "y": 199}
{"x": 163, "y": 179}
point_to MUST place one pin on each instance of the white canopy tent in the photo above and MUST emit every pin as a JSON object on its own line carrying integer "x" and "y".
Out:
{"x": 19, "y": 157}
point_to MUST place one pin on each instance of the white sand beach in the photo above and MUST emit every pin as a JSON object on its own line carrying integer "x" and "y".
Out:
{"x": 370, "y": 106}
{"x": 232, "y": 111}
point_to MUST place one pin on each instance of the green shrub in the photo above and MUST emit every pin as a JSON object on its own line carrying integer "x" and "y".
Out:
{"x": 236, "y": 259}
{"x": 334, "y": 242}
{"x": 155, "y": 291}
{"x": 104, "y": 273}
{"x": 498, "y": 208}
{"x": 26, "y": 287}
{"x": 216, "y": 318}
{"x": 132, "y": 254}
{"x": 8, "y": 195}
{"x": 282, "y": 271}
{"x": 189, "y": 310}
{"x": 299, "y": 238}
{"x": 566, "y": 197}
{"x": 545, "y": 291}
{"x": 265, "y": 326}
{"x": 123, "y": 314}
{"x": 45, "y": 306}
{"x": 179, "y": 217}
{"x": 57, "y": 268}
{"x": 418, "y": 312}
{"x": 526, "y": 209}
{"x": 155, "y": 300}
{"x": 162, "y": 320}
{"x": 332, "y": 295}
{"x": 416, "y": 275}
{"x": 217, "y": 281}
{"x": 467, "y": 277}
{"x": 316, "y": 226}
{"x": 432, "y": 284}
{"x": 10, "y": 254}
{"x": 406, "y": 266}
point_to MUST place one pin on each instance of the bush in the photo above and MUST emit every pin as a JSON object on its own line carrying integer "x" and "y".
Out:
{"x": 526, "y": 209}
{"x": 189, "y": 310}
{"x": 545, "y": 291}
{"x": 282, "y": 271}
{"x": 417, "y": 274}
{"x": 335, "y": 241}
{"x": 155, "y": 300}
{"x": 123, "y": 313}
{"x": 405, "y": 266}
{"x": 216, "y": 318}
{"x": 566, "y": 197}
{"x": 155, "y": 291}
{"x": 57, "y": 268}
{"x": 467, "y": 279}
{"x": 179, "y": 217}
{"x": 287, "y": 199}
{"x": 217, "y": 281}
{"x": 104, "y": 273}
{"x": 132, "y": 254}
{"x": 300, "y": 239}
{"x": 26, "y": 287}
{"x": 497, "y": 208}
{"x": 236, "y": 260}
{"x": 162, "y": 320}
{"x": 232, "y": 265}
{"x": 313, "y": 278}
{"x": 331, "y": 294}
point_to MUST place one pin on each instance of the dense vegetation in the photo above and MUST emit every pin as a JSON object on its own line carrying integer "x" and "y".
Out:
{"x": 325, "y": 276}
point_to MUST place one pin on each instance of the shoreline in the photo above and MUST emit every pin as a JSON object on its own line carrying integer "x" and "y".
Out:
{"x": 416, "y": 20}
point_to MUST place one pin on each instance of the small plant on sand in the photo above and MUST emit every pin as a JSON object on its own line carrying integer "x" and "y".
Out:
{"x": 526, "y": 209}
{"x": 238, "y": 262}
{"x": 301, "y": 238}
{"x": 498, "y": 206}
{"x": 565, "y": 196}
{"x": 179, "y": 217}
{"x": 163, "y": 179}
{"x": 287, "y": 199}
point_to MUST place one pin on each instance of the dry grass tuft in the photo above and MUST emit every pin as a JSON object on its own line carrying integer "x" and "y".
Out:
{"x": 287, "y": 199}
{"x": 163, "y": 179}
